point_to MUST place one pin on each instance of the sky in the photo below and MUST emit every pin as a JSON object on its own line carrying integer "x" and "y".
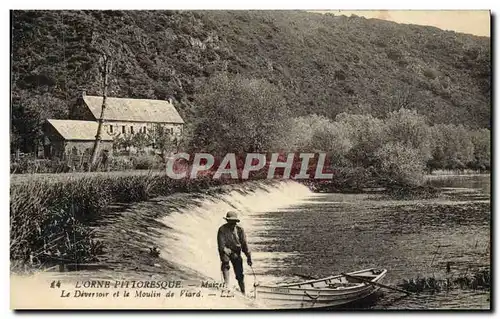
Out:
{"x": 475, "y": 22}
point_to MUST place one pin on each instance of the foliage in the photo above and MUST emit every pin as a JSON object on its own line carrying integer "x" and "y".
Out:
{"x": 49, "y": 217}
{"x": 479, "y": 279}
{"x": 120, "y": 163}
{"x": 46, "y": 220}
{"x": 453, "y": 147}
{"x": 366, "y": 134}
{"x": 115, "y": 163}
{"x": 239, "y": 115}
{"x": 482, "y": 149}
{"x": 140, "y": 140}
{"x": 346, "y": 179}
{"x": 162, "y": 139}
{"x": 313, "y": 133}
{"x": 28, "y": 115}
{"x": 411, "y": 129}
{"x": 147, "y": 162}
{"x": 28, "y": 165}
{"x": 123, "y": 141}
{"x": 400, "y": 164}
{"x": 301, "y": 131}
{"x": 334, "y": 138}
{"x": 394, "y": 150}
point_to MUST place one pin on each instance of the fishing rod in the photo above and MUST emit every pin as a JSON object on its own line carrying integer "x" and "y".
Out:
{"x": 255, "y": 284}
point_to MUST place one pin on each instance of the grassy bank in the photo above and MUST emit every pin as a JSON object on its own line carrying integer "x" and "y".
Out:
{"x": 73, "y": 176}
{"x": 478, "y": 279}
{"x": 360, "y": 180}
{"x": 455, "y": 172}
{"x": 50, "y": 217}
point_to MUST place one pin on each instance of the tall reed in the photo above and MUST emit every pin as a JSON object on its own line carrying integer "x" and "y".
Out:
{"x": 49, "y": 219}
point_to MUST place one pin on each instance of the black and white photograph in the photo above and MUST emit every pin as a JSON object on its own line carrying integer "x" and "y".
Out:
{"x": 332, "y": 160}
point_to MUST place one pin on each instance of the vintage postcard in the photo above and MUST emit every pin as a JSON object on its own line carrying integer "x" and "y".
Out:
{"x": 250, "y": 160}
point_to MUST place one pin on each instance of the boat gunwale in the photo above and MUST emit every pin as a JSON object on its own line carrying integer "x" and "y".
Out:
{"x": 291, "y": 286}
{"x": 340, "y": 293}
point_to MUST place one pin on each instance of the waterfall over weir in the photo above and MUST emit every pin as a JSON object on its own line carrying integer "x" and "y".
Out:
{"x": 191, "y": 241}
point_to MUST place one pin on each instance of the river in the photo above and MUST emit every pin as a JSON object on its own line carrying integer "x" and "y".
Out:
{"x": 294, "y": 231}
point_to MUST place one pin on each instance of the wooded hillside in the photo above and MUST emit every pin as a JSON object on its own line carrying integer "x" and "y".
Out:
{"x": 323, "y": 64}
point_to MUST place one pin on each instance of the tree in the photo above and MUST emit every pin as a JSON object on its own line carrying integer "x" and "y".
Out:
{"x": 333, "y": 138}
{"x": 452, "y": 146}
{"x": 140, "y": 140}
{"x": 314, "y": 133}
{"x": 401, "y": 97}
{"x": 184, "y": 140}
{"x": 411, "y": 129}
{"x": 482, "y": 149}
{"x": 28, "y": 118}
{"x": 400, "y": 164}
{"x": 105, "y": 70}
{"x": 162, "y": 139}
{"x": 109, "y": 52}
{"x": 237, "y": 114}
{"x": 301, "y": 132}
{"x": 124, "y": 141}
{"x": 366, "y": 134}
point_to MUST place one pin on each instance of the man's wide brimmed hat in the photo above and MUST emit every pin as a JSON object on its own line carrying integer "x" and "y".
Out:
{"x": 232, "y": 216}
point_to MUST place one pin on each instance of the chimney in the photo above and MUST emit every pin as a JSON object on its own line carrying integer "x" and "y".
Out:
{"x": 84, "y": 93}
{"x": 169, "y": 100}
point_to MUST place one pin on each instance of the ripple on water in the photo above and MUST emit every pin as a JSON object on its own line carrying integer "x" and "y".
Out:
{"x": 333, "y": 233}
{"x": 292, "y": 231}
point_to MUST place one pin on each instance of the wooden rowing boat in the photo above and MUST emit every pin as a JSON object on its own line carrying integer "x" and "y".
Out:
{"x": 321, "y": 293}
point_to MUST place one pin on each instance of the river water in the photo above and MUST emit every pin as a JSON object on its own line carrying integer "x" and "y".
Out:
{"x": 293, "y": 231}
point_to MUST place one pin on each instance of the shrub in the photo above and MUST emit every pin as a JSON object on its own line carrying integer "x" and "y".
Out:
{"x": 301, "y": 131}
{"x": 147, "y": 162}
{"x": 31, "y": 166}
{"x": 333, "y": 137}
{"x": 400, "y": 165}
{"x": 452, "y": 146}
{"x": 315, "y": 133}
{"x": 409, "y": 128}
{"x": 128, "y": 189}
{"x": 366, "y": 134}
{"x": 120, "y": 163}
{"x": 346, "y": 179}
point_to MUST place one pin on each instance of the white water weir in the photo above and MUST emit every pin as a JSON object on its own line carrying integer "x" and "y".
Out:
{"x": 192, "y": 240}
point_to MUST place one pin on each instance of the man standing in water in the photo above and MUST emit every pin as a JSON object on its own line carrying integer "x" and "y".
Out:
{"x": 232, "y": 240}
